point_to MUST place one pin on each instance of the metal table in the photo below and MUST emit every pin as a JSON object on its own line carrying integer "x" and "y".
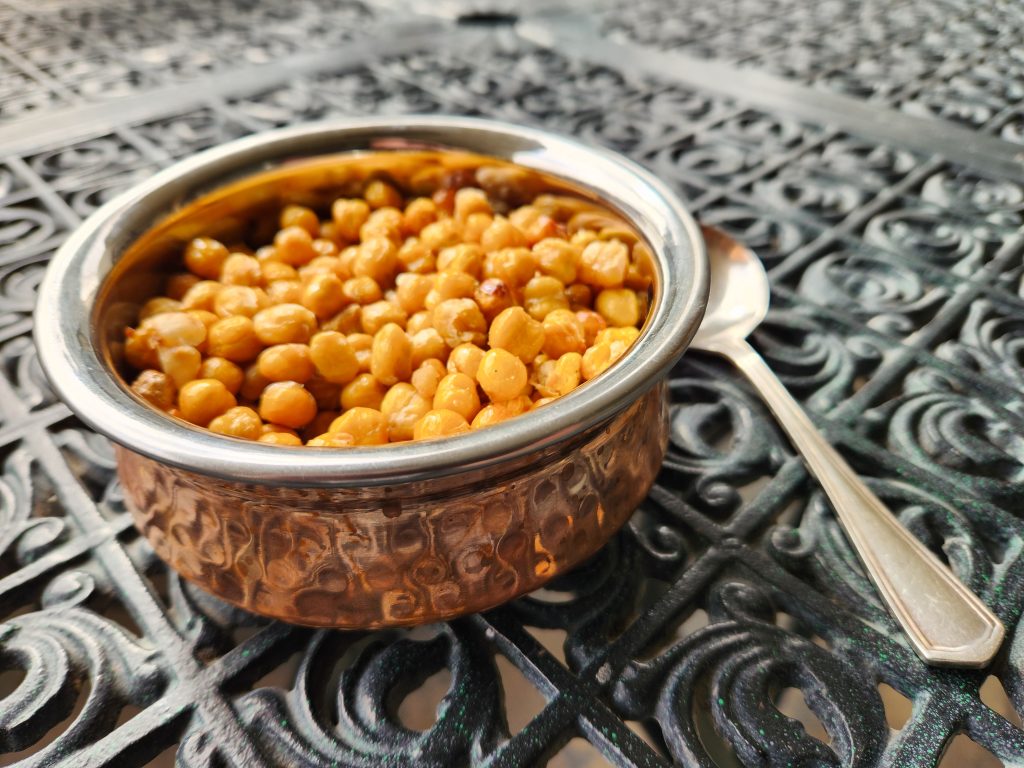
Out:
{"x": 871, "y": 151}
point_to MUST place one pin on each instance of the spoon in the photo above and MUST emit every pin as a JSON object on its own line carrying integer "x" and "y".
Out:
{"x": 947, "y": 624}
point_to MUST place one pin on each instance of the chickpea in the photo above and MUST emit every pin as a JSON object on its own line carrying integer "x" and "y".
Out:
{"x": 470, "y": 200}
{"x": 427, "y": 376}
{"x": 286, "y": 362}
{"x": 493, "y": 296}
{"x": 475, "y": 225}
{"x": 440, "y": 234}
{"x": 362, "y": 290}
{"x": 349, "y": 216}
{"x": 411, "y": 291}
{"x": 517, "y": 332}
{"x": 513, "y": 265}
{"x": 465, "y": 257}
{"x": 419, "y": 321}
{"x": 285, "y": 292}
{"x": 300, "y": 216}
{"x": 418, "y": 214}
{"x": 177, "y": 285}
{"x": 180, "y": 363}
{"x": 541, "y": 402}
{"x": 349, "y": 320}
{"x": 159, "y": 305}
{"x": 363, "y": 391}
{"x": 236, "y": 300}
{"x": 279, "y": 438}
{"x": 557, "y": 258}
{"x": 450, "y": 285}
{"x": 592, "y": 324}
{"x": 425, "y": 345}
{"x": 205, "y": 256}
{"x": 603, "y": 263}
{"x": 563, "y": 332}
{"x": 459, "y": 321}
{"x": 238, "y": 422}
{"x": 175, "y": 328}
{"x": 542, "y": 295}
{"x": 287, "y": 403}
{"x": 284, "y": 324}
{"x": 202, "y": 400}
{"x": 534, "y": 223}
{"x": 253, "y": 384}
{"x": 367, "y": 426}
{"x": 385, "y": 222}
{"x": 324, "y": 295}
{"x": 501, "y": 235}
{"x": 334, "y": 359}
{"x": 582, "y": 237}
{"x": 206, "y": 318}
{"x": 391, "y": 355}
{"x": 332, "y": 440}
{"x": 495, "y": 413}
{"x": 234, "y": 338}
{"x": 618, "y": 306}
{"x": 380, "y": 194}
{"x": 201, "y": 295}
{"x": 375, "y": 316}
{"x": 580, "y": 296}
{"x": 294, "y": 246}
{"x": 240, "y": 269}
{"x": 326, "y": 393}
{"x": 156, "y": 388}
{"x": 596, "y": 361}
{"x": 377, "y": 258}
{"x": 320, "y": 425}
{"x": 403, "y": 406}
{"x": 415, "y": 256}
{"x": 564, "y": 375}
{"x": 465, "y": 358}
{"x": 439, "y": 423}
{"x": 226, "y": 372}
{"x": 502, "y": 375}
{"x": 457, "y": 392}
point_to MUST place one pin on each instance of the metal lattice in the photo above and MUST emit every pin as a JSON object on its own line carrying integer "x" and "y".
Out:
{"x": 896, "y": 261}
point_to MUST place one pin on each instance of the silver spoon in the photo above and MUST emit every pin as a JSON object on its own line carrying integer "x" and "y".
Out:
{"x": 947, "y": 624}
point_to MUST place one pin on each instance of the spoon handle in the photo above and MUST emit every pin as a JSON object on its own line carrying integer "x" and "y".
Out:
{"x": 947, "y": 624}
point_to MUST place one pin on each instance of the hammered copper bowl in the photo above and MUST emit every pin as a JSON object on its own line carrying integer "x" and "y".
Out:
{"x": 392, "y": 535}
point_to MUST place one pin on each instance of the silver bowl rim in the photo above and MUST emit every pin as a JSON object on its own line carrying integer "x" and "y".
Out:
{"x": 65, "y": 331}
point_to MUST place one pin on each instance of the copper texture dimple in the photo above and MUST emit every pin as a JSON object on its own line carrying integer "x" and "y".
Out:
{"x": 377, "y": 557}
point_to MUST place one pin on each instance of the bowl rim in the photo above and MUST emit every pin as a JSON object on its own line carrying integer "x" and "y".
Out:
{"x": 65, "y": 331}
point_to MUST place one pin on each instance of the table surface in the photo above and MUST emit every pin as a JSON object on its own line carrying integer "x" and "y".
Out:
{"x": 871, "y": 151}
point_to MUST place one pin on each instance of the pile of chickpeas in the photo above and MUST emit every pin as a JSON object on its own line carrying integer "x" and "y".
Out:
{"x": 393, "y": 320}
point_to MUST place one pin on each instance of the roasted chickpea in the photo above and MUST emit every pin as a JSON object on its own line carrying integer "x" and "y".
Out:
{"x": 286, "y": 362}
{"x": 380, "y": 194}
{"x": 465, "y": 257}
{"x": 465, "y": 358}
{"x": 324, "y": 295}
{"x": 563, "y": 332}
{"x": 493, "y": 296}
{"x": 225, "y": 371}
{"x": 159, "y": 305}
{"x": 592, "y": 324}
{"x": 411, "y": 290}
{"x": 180, "y": 363}
{"x": 459, "y": 321}
{"x": 475, "y": 225}
{"x": 439, "y": 423}
{"x": 366, "y": 425}
{"x": 284, "y": 324}
{"x": 236, "y": 300}
{"x": 362, "y": 290}
{"x": 234, "y": 338}
{"x": 294, "y": 246}
{"x": 427, "y": 376}
{"x": 279, "y": 438}
{"x": 517, "y": 332}
{"x": 238, "y": 422}
{"x": 603, "y": 263}
{"x": 557, "y": 258}
{"x": 457, "y": 392}
{"x": 418, "y": 214}
{"x": 543, "y": 295}
{"x": 205, "y": 256}
{"x": 402, "y": 407}
{"x": 534, "y": 223}
{"x": 349, "y": 216}
{"x": 501, "y": 235}
{"x": 513, "y": 265}
{"x": 334, "y": 358}
{"x": 178, "y": 285}
{"x": 156, "y": 388}
{"x": 384, "y": 222}
{"x": 253, "y": 384}
{"x": 391, "y": 356}
{"x": 380, "y": 313}
{"x": 425, "y": 345}
{"x": 202, "y": 400}
{"x": 495, "y": 413}
{"x": 377, "y": 258}
{"x": 300, "y": 216}
{"x": 618, "y": 306}
{"x": 240, "y": 269}
{"x": 470, "y": 200}
{"x": 363, "y": 391}
{"x": 285, "y": 292}
{"x": 332, "y": 440}
{"x": 171, "y": 329}
{"x": 287, "y": 403}
{"x": 440, "y": 234}
{"x": 502, "y": 375}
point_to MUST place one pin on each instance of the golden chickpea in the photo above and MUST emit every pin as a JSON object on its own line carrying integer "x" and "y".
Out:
{"x": 592, "y": 324}
{"x": 384, "y": 222}
{"x": 596, "y": 361}
{"x": 205, "y": 256}
{"x": 465, "y": 257}
{"x": 391, "y": 356}
{"x": 332, "y": 440}
{"x": 334, "y": 359}
{"x": 366, "y": 425}
{"x": 253, "y": 384}
{"x": 294, "y": 246}
{"x": 349, "y": 216}
{"x": 234, "y": 338}
{"x": 284, "y": 324}
{"x": 565, "y": 375}
{"x": 418, "y": 214}
{"x": 363, "y": 391}
{"x": 425, "y": 345}
{"x": 513, "y": 265}
{"x": 603, "y": 263}
{"x": 493, "y": 296}
{"x": 159, "y": 305}
{"x": 534, "y": 223}
{"x": 300, "y": 216}
{"x": 439, "y": 423}
{"x": 558, "y": 258}
{"x": 502, "y": 235}
{"x": 207, "y": 319}
{"x": 226, "y": 372}
{"x": 287, "y": 403}
{"x": 495, "y": 413}
{"x": 362, "y": 348}
{"x": 325, "y": 248}
{"x": 180, "y": 363}
{"x": 450, "y": 285}
{"x": 583, "y": 237}
{"x": 440, "y": 234}
{"x": 178, "y": 285}
{"x": 427, "y": 376}
{"x": 173, "y": 329}
{"x": 362, "y": 290}
{"x": 465, "y": 358}
{"x": 411, "y": 290}
{"x": 279, "y": 438}
{"x": 475, "y": 225}
{"x": 238, "y": 422}
{"x": 457, "y": 392}
{"x": 202, "y": 400}
{"x": 380, "y": 194}
{"x": 266, "y": 254}
{"x": 286, "y": 362}
{"x": 580, "y": 295}
{"x": 236, "y": 300}
{"x": 502, "y": 375}
{"x": 156, "y": 388}
{"x": 375, "y": 316}
{"x": 540, "y": 403}
{"x": 403, "y": 406}
{"x": 459, "y": 321}
{"x": 324, "y": 295}
{"x": 322, "y": 265}
{"x": 563, "y": 332}
{"x": 618, "y": 306}
{"x": 285, "y": 292}
{"x": 140, "y": 348}
{"x": 419, "y": 321}
{"x": 470, "y": 200}
{"x": 515, "y": 331}
{"x": 347, "y": 261}
{"x": 542, "y": 295}
{"x": 619, "y": 338}
{"x": 201, "y": 295}
{"x": 240, "y": 269}
{"x": 349, "y": 320}
{"x": 415, "y": 256}
{"x": 378, "y": 258}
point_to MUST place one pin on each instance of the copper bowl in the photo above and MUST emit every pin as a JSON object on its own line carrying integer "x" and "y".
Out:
{"x": 384, "y": 536}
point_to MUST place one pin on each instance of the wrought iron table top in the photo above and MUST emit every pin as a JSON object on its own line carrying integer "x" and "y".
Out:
{"x": 870, "y": 151}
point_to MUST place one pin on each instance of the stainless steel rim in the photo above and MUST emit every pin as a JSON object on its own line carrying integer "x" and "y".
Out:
{"x": 65, "y": 333}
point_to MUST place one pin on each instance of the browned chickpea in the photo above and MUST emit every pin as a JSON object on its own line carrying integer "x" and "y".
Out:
{"x": 542, "y": 295}
{"x": 284, "y": 324}
{"x": 517, "y": 332}
{"x": 288, "y": 403}
{"x": 375, "y": 316}
{"x": 205, "y": 256}
{"x": 363, "y": 391}
{"x": 465, "y": 358}
{"x": 321, "y": 424}
{"x": 533, "y": 223}
{"x": 324, "y": 295}
{"x": 253, "y": 384}
{"x": 493, "y": 297}
{"x": 294, "y": 246}
{"x": 402, "y": 407}
{"x": 418, "y": 214}
{"x": 426, "y": 378}
{"x": 380, "y": 194}
{"x": 459, "y": 321}
{"x": 286, "y": 362}
{"x": 140, "y": 348}
{"x": 580, "y": 296}
{"x": 457, "y": 392}
{"x": 240, "y": 422}
{"x": 226, "y": 372}
{"x": 378, "y": 258}
{"x": 156, "y": 388}
{"x": 391, "y": 356}
{"x": 362, "y": 290}
{"x": 603, "y": 263}
{"x": 240, "y": 269}
{"x": 202, "y": 400}
{"x": 234, "y": 338}
{"x": 465, "y": 257}
{"x": 349, "y": 216}
{"x": 236, "y": 300}
{"x": 501, "y": 235}
{"x": 300, "y": 216}
{"x": 592, "y": 324}
{"x": 178, "y": 285}
{"x": 366, "y": 425}
{"x": 513, "y": 265}
{"x": 416, "y": 256}
{"x": 334, "y": 359}
{"x": 439, "y": 423}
